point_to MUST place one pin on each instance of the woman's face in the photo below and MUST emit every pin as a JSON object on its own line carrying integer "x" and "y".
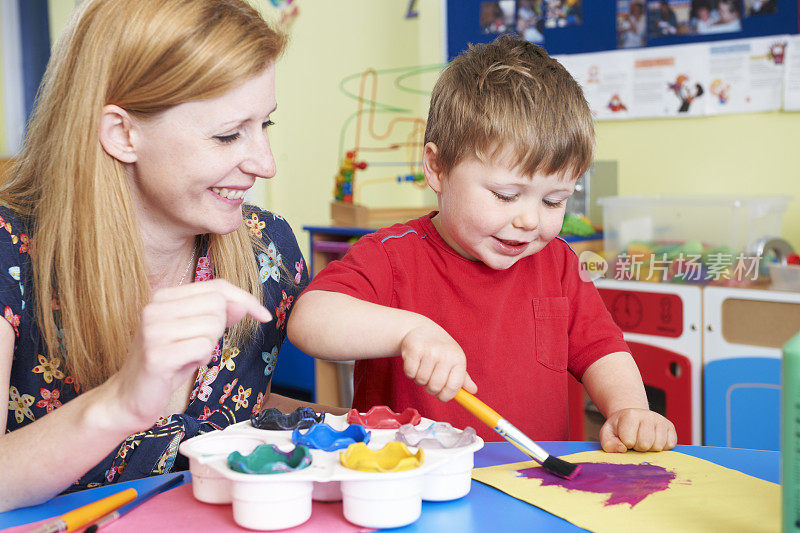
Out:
{"x": 196, "y": 161}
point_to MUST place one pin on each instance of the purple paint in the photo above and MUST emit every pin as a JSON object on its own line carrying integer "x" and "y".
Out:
{"x": 626, "y": 483}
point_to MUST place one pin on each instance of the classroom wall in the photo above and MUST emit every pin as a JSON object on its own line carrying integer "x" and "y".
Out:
{"x": 735, "y": 154}
{"x": 748, "y": 154}
{"x": 312, "y": 110}
{"x": 59, "y": 11}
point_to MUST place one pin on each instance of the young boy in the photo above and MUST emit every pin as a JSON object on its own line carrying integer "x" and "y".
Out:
{"x": 483, "y": 285}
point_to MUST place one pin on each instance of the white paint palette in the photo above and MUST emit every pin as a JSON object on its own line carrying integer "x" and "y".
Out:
{"x": 283, "y": 500}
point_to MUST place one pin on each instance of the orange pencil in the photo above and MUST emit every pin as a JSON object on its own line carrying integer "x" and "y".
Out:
{"x": 87, "y": 514}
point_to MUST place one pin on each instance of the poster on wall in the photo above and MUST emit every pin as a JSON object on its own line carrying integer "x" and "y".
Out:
{"x": 585, "y": 26}
{"x": 562, "y": 13}
{"x": 754, "y": 8}
{"x": 530, "y": 20}
{"x": 708, "y": 17}
{"x": 631, "y": 24}
{"x": 668, "y": 17}
{"x": 497, "y": 17}
{"x": 606, "y": 80}
{"x": 669, "y": 81}
{"x": 746, "y": 75}
{"x": 791, "y": 79}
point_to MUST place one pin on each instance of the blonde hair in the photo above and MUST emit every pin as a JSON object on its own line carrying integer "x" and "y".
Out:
{"x": 511, "y": 95}
{"x": 144, "y": 56}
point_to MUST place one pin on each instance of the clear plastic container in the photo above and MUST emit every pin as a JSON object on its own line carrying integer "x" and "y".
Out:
{"x": 784, "y": 277}
{"x": 647, "y": 227}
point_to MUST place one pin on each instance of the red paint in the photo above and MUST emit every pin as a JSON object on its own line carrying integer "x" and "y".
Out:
{"x": 625, "y": 483}
{"x": 381, "y": 417}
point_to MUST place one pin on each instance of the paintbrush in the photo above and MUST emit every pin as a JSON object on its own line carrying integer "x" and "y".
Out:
{"x": 125, "y": 509}
{"x": 505, "y": 429}
{"x": 86, "y": 514}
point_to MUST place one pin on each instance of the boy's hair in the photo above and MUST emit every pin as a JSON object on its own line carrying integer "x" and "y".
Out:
{"x": 510, "y": 94}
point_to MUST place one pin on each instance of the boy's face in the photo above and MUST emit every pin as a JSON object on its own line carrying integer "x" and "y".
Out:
{"x": 494, "y": 214}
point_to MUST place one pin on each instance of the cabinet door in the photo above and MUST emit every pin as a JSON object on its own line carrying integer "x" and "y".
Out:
{"x": 744, "y": 332}
{"x": 662, "y": 324}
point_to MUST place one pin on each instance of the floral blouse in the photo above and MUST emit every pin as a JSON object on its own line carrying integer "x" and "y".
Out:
{"x": 228, "y": 388}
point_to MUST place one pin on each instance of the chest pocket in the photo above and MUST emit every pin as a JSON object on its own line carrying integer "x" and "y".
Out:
{"x": 551, "y": 318}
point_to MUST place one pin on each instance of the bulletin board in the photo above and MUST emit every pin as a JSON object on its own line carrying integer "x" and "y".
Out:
{"x": 594, "y": 25}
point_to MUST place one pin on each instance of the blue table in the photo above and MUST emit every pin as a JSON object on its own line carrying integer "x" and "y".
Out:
{"x": 484, "y": 509}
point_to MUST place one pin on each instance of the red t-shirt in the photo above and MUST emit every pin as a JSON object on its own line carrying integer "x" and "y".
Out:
{"x": 521, "y": 328}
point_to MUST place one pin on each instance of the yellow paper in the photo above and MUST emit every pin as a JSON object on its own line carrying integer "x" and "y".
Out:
{"x": 702, "y": 497}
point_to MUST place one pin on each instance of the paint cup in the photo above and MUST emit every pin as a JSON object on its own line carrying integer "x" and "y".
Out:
{"x": 271, "y": 504}
{"x": 208, "y": 485}
{"x": 450, "y": 481}
{"x": 382, "y": 503}
{"x": 388, "y": 491}
{"x": 454, "y": 449}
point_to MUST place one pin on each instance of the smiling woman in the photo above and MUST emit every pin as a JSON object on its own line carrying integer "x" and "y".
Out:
{"x": 150, "y": 126}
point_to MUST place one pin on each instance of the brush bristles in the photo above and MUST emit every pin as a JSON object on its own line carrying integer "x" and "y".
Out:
{"x": 560, "y": 467}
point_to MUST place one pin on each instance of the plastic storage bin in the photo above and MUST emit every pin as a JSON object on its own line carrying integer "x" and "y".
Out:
{"x": 784, "y": 277}
{"x": 657, "y": 230}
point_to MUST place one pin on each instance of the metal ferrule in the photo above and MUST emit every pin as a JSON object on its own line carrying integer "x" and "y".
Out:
{"x": 520, "y": 440}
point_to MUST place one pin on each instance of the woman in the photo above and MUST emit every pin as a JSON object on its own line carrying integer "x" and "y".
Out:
{"x": 151, "y": 125}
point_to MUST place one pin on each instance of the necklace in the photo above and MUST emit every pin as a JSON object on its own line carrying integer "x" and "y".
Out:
{"x": 191, "y": 262}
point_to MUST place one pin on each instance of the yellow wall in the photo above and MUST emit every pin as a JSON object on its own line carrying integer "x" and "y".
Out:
{"x": 736, "y": 154}
{"x": 751, "y": 154}
{"x": 59, "y": 11}
{"x": 330, "y": 41}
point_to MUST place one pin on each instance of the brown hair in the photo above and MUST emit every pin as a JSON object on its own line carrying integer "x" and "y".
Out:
{"x": 144, "y": 56}
{"x": 510, "y": 94}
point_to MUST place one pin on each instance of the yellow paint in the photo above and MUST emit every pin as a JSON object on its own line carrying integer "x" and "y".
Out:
{"x": 703, "y": 497}
{"x": 394, "y": 457}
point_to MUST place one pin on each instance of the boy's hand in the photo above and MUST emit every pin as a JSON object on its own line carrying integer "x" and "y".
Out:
{"x": 434, "y": 360}
{"x": 639, "y": 429}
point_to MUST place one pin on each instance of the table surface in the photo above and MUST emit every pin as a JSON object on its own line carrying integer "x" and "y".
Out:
{"x": 483, "y": 509}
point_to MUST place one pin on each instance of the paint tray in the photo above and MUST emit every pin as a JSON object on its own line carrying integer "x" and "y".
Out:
{"x": 376, "y": 499}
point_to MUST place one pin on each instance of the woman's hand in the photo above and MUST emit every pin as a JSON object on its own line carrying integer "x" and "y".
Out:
{"x": 434, "y": 360}
{"x": 177, "y": 332}
{"x": 639, "y": 429}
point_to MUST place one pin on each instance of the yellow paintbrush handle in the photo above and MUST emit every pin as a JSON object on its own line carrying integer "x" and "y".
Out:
{"x": 486, "y": 414}
{"x": 89, "y": 513}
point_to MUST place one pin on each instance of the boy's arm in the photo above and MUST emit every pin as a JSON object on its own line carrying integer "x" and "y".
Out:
{"x": 615, "y": 386}
{"x": 337, "y": 327}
